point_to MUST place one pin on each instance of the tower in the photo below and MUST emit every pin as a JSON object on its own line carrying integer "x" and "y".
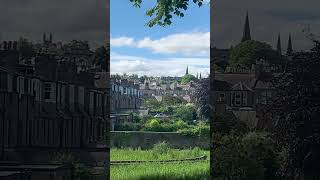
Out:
{"x": 200, "y": 76}
{"x": 246, "y": 32}
{"x": 289, "y": 49}
{"x": 50, "y": 38}
{"x": 187, "y": 70}
{"x": 44, "y": 38}
{"x": 279, "y": 45}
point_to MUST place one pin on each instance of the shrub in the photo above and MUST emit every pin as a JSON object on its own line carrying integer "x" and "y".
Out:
{"x": 249, "y": 157}
{"x": 127, "y": 126}
{"x": 186, "y": 112}
{"x": 79, "y": 169}
{"x": 161, "y": 148}
{"x": 201, "y": 129}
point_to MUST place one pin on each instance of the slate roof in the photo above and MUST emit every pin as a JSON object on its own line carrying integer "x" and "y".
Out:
{"x": 233, "y": 79}
{"x": 241, "y": 86}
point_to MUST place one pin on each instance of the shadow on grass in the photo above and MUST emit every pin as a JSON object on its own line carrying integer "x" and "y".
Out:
{"x": 200, "y": 176}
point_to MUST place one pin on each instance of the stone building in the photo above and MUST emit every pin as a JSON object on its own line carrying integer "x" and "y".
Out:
{"x": 150, "y": 89}
{"x": 54, "y": 108}
{"x": 245, "y": 94}
{"x": 126, "y": 97}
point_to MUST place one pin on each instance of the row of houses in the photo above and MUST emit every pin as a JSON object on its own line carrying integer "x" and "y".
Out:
{"x": 50, "y": 106}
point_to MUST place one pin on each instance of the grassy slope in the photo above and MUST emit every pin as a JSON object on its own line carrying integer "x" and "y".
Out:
{"x": 152, "y": 171}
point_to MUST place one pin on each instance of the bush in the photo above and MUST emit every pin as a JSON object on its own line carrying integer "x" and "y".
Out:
{"x": 186, "y": 112}
{"x": 127, "y": 126}
{"x": 161, "y": 148}
{"x": 201, "y": 129}
{"x": 79, "y": 169}
{"x": 248, "y": 157}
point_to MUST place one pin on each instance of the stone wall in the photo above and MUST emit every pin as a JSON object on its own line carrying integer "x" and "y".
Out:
{"x": 145, "y": 140}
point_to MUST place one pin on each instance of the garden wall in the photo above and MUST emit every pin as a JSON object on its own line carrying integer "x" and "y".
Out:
{"x": 145, "y": 140}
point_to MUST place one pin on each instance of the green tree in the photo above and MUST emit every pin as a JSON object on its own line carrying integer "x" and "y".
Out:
{"x": 152, "y": 103}
{"x": 172, "y": 100}
{"x": 188, "y": 78}
{"x": 247, "y": 52}
{"x": 101, "y": 56}
{"x": 163, "y": 11}
{"x": 249, "y": 157}
{"x": 186, "y": 112}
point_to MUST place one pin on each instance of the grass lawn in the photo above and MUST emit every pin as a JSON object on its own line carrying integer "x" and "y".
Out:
{"x": 154, "y": 171}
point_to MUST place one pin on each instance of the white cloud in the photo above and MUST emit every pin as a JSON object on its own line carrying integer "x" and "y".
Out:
{"x": 122, "y": 41}
{"x": 158, "y": 67}
{"x": 197, "y": 43}
{"x": 190, "y": 44}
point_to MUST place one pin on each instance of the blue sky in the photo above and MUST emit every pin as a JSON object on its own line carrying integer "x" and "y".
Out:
{"x": 160, "y": 51}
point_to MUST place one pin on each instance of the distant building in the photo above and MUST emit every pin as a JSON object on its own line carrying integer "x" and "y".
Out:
{"x": 244, "y": 94}
{"x": 51, "y": 106}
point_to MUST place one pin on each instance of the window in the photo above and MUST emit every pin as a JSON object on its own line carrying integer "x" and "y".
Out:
{"x": 20, "y": 85}
{"x": 10, "y": 79}
{"x": 124, "y": 90}
{"x": 81, "y": 96}
{"x": 221, "y": 97}
{"x": 91, "y": 101}
{"x": 264, "y": 97}
{"x": 48, "y": 91}
{"x": 71, "y": 94}
{"x": 237, "y": 98}
{"x": 244, "y": 99}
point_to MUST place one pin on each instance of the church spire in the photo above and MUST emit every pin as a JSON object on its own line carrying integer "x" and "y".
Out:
{"x": 200, "y": 76}
{"x": 50, "y": 38}
{"x": 187, "y": 70}
{"x": 246, "y": 32}
{"x": 289, "y": 49}
{"x": 44, "y": 37}
{"x": 279, "y": 45}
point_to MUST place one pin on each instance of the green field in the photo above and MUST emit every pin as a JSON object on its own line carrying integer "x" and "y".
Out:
{"x": 156, "y": 171}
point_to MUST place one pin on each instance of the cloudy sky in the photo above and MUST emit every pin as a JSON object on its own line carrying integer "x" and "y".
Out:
{"x": 267, "y": 20}
{"x": 159, "y": 51}
{"x": 65, "y": 19}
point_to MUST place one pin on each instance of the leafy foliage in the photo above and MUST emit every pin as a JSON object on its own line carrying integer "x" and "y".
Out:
{"x": 188, "y": 78}
{"x": 246, "y": 53}
{"x": 200, "y": 129}
{"x": 101, "y": 56}
{"x": 79, "y": 169}
{"x": 201, "y": 96}
{"x": 249, "y": 157}
{"x": 187, "y": 113}
{"x": 295, "y": 109}
{"x": 162, "y": 13}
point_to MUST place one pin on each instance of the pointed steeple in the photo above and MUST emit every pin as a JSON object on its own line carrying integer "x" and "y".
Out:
{"x": 289, "y": 49}
{"x": 279, "y": 45}
{"x": 246, "y": 32}
{"x": 50, "y": 38}
{"x": 187, "y": 70}
{"x": 200, "y": 76}
{"x": 44, "y": 38}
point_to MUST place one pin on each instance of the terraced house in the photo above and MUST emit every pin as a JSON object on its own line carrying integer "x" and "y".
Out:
{"x": 126, "y": 97}
{"x": 52, "y": 108}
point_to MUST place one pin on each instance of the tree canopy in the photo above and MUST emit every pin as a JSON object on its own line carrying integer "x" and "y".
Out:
{"x": 295, "y": 110}
{"x": 188, "y": 78}
{"x": 161, "y": 14}
{"x": 247, "y": 52}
